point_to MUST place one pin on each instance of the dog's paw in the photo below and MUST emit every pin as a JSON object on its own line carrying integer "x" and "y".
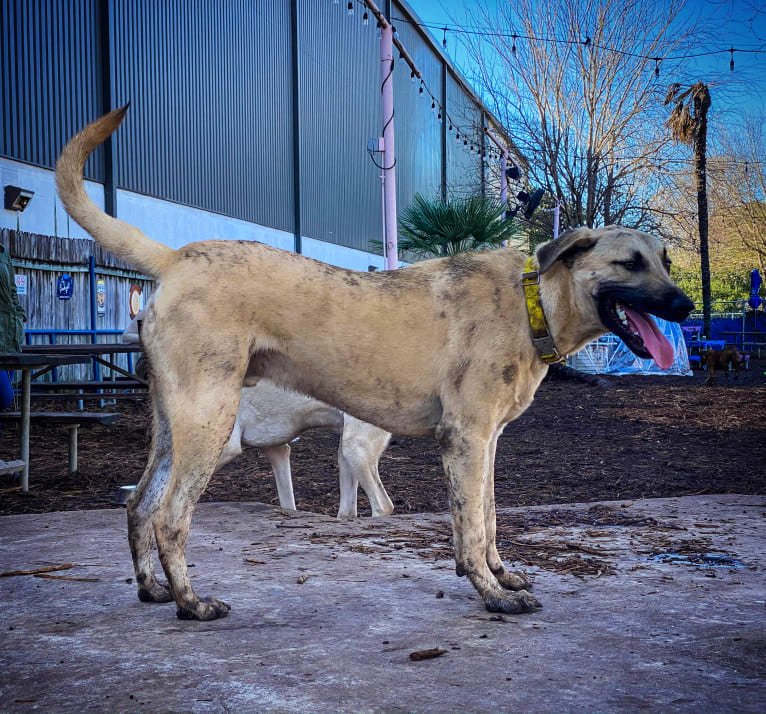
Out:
{"x": 208, "y": 608}
{"x": 511, "y": 603}
{"x": 159, "y": 592}
{"x": 512, "y": 579}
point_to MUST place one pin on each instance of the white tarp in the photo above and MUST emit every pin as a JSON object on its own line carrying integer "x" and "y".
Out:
{"x": 609, "y": 355}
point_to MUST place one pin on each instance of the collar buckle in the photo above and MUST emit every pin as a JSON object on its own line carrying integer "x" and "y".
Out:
{"x": 531, "y": 277}
{"x": 547, "y": 350}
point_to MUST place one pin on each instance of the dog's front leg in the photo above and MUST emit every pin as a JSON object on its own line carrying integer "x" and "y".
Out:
{"x": 465, "y": 454}
{"x": 511, "y": 580}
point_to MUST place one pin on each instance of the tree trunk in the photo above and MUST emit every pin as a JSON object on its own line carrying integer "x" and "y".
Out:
{"x": 702, "y": 103}
{"x": 591, "y": 167}
{"x": 608, "y": 199}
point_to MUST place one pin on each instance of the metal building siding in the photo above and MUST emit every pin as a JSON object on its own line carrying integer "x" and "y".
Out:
{"x": 463, "y": 167}
{"x": 492, "y": 166}
{"x": 340, "y": 110}
{"x": 418, "y": 130}
{"x": 210, "y": 119}
{"x": 49, "y": 62}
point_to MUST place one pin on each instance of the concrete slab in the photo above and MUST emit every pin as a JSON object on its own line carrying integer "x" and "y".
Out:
{"x": 659, "y": 634}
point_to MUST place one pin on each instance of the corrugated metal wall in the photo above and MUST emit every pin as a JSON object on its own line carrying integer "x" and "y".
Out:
{"x": 210, "y": 85}
{"x": 463, "y": 167}
{"x": 51, "y": 83}
{"x": 210, "y": 89}
{"x": 418, "y": 130}
{"x": 340, "y": 110}
{"x": 492, "y": 167}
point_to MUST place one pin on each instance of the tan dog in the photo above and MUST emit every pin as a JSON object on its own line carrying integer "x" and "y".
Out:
{"x": 442, "y": 347}
{"x": 721, "y": 359}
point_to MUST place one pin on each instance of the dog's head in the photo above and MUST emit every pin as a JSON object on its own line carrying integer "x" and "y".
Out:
{"x": 621, "y": 277}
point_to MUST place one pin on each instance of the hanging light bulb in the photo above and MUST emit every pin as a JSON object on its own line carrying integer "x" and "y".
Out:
{"x": 444, "y": 39}
{"x": 396, "y": 34}
{"x": 457, "y": 136}
{"x": 412, "y": 76}
{"x": 350, "y": 8}
{"x": 731, "y": 61}
{"x": 401, "y": 58}
{"x": 365, "y": 19}
{"x": 439, "y": 115}
{"x": 450, "y": 126}
{"x": 657, "y": 67}
{"x": 513, "y": 46}
{"x": 433, "y": 107}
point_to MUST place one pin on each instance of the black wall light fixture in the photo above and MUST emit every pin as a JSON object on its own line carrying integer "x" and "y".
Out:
{"x": 528, "y": 202}
{"x": 17, "y": 199}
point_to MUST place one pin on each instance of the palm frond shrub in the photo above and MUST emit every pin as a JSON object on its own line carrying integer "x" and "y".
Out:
{"x": 433, "y": 228}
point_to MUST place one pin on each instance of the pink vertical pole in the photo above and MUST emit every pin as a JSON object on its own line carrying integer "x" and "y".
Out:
{"x": 389, "y": 187}
{"x": 556, "y": 212}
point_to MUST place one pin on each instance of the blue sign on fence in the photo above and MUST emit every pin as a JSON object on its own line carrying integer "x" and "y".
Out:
{"x": 64, "y": 286}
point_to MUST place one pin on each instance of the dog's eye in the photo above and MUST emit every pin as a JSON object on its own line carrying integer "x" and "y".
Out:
{"x": 630, "y": 265}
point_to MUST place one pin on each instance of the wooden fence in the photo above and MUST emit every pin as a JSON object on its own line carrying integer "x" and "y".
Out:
{"x": 42, "y": 259}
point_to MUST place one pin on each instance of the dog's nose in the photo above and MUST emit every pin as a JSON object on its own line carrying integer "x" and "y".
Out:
{"x": 680, "y": 306}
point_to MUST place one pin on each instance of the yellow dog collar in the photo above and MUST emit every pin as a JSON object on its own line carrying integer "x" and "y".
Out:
{"x": 530, "y": 281}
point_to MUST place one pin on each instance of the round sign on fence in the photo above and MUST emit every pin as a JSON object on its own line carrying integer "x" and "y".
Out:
{"x": 135, "y": 301}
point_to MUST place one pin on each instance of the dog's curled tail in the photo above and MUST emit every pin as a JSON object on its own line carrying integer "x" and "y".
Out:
{"x": 118, "y": 237}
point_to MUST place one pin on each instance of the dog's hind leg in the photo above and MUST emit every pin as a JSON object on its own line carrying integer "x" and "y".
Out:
{"x": 279, "y": 458}
{"x": 201, "y": 412}
{"x": 140, "y": 508}
{"x": 510, "y": 580}
{"x": 465, "y": 453}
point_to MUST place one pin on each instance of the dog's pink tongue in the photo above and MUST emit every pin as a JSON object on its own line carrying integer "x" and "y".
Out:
{"x": 657, "y": 344}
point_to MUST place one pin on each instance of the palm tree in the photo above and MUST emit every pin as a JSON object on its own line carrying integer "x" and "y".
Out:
{"x": 437, "y": 228}
{"x": 688, "y": 125}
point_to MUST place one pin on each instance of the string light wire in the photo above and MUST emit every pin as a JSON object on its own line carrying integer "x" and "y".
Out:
{"x": 488, "y": 32}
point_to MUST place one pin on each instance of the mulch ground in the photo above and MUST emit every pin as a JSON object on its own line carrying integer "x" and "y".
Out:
{"x": 636, "y": 437}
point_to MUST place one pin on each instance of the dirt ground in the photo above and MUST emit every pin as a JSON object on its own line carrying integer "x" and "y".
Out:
{"x": 635, "y": 437}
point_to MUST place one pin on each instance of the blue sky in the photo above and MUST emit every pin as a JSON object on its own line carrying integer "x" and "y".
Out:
{"x": 731, "y": 22}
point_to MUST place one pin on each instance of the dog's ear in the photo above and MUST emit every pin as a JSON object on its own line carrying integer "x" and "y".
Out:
{"x": 566, "y": 248}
